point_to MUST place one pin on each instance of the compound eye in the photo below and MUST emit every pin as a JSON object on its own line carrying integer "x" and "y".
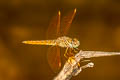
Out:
{"x": 76, "y": 42}
{"x": 74, "y": 39}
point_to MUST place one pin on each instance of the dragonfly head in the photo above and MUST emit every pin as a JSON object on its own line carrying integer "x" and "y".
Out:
{"x": 75, "y": 43}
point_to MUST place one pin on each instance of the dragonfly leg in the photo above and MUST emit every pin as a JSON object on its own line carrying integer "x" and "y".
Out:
{"x": 71, "y": 59}
{"x": 76, "y": 50}
{"x": 79, "y": 64}
{"x": 66, "y": 53}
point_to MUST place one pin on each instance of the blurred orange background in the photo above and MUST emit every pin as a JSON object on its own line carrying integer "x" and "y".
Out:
{"x": 96, "y": 25}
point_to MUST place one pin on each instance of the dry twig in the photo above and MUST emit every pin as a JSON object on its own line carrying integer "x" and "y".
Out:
{"x": 71, "y": 67}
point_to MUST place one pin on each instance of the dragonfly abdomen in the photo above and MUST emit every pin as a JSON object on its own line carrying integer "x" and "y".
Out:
{"x": 41, "y": 42}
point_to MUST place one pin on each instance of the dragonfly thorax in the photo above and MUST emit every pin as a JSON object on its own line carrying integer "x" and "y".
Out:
{"x": 67, "y": 42}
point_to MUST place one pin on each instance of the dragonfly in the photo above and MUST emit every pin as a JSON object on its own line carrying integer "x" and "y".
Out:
{"x": 57, "y": 37}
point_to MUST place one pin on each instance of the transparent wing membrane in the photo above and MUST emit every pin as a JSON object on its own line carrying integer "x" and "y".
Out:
{"x": 53, "y": 53}
{"x": 66, "y": 22}
{"x": 53, "y": 57}
{"x": 53, "y": 30}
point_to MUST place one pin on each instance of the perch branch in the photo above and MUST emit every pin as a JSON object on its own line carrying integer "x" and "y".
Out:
{"x": 72, "y": 67}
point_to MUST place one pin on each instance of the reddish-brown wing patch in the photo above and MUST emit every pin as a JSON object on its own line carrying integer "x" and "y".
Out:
{"x": 53, "y": 57}
{"x": 66, "y": 22}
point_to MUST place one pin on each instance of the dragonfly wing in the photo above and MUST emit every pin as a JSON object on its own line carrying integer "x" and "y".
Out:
{"x": 54, "y": 27}
{"x": 53, "y": 32}
{"x": 66, "y": 22}
{"x": 53, "y": 57}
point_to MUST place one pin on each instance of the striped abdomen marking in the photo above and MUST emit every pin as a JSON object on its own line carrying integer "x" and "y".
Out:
{"x": 41, "y": 42}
